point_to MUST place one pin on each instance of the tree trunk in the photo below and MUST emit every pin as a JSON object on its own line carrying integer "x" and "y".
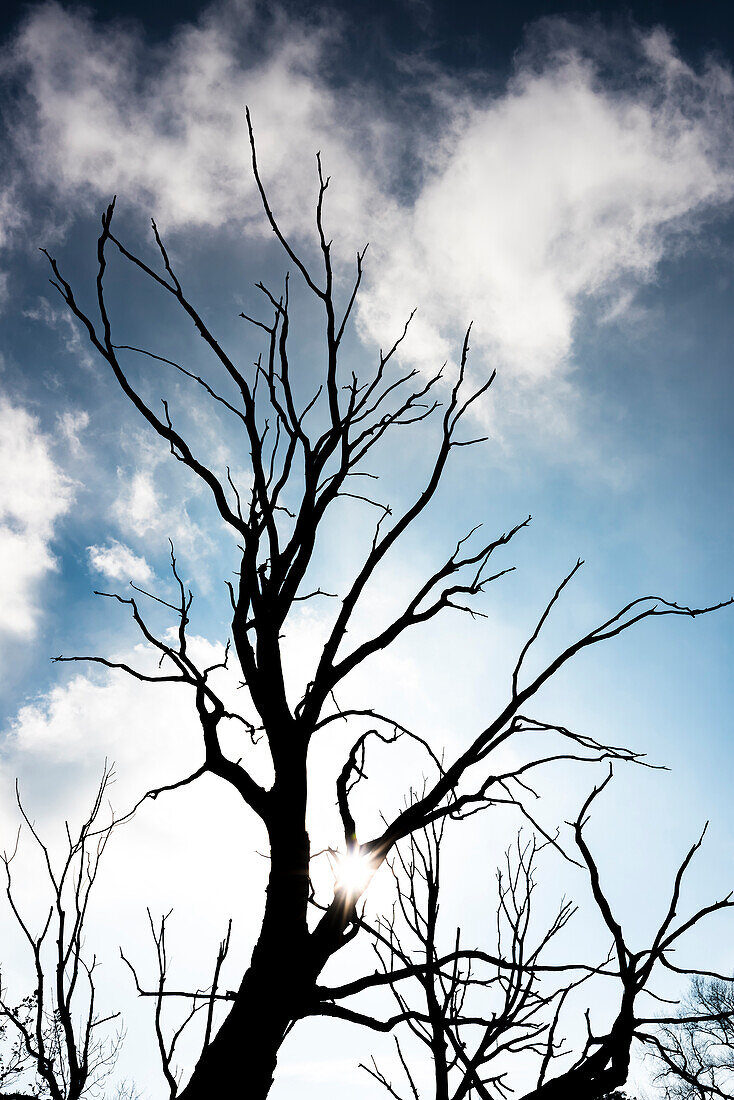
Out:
{"x": 241, "y": 1059}
{"x": 604, "y": 1071}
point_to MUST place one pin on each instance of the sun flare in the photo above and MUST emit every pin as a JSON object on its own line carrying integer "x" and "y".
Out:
{"x": 353, "y": 872}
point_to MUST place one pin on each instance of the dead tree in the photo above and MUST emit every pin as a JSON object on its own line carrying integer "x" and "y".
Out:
{"x": 605, "y": 1060}
{"x": 305, "y": 455}
{"x": 476, "y": 1010}
{"x": 61, "y": 1036}
{"x": 694, "y": 1054}
{"x": 16, "y": 1063}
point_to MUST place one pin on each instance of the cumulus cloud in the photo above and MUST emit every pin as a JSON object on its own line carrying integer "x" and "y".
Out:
{"x": 118, "y": 562}
{"x": 34, "y": 494}
{"x": 74, "y": 721}
{"x": 561, "y": 189}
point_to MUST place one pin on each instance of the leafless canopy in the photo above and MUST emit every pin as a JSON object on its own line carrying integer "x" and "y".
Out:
{"x": 305, "y": 456}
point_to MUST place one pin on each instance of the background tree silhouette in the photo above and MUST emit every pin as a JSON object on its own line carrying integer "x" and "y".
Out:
{"x": 306, "y": 454}
{"x": 477, "y": 1011}
{"x": 694, "y": 1052}
{"x": 55, "y": 1041}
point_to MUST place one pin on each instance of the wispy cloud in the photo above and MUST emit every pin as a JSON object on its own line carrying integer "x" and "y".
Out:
{"x": 142, "y": 509}
{"x": 61, "y": 320}
{"x": 71, "y": 424}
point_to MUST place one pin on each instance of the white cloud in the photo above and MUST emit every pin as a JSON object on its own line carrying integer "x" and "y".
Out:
{"x": 34, "y": 494}
{"x": 137, "y": 504}
{"x": 71, "y": 425}
{"x": 560, "y": 189}
{"x": 167, "y": 130}
{"x": 118, "y": 562}
{"x": 65, "y": 725}
{"x": 11, "y": 218}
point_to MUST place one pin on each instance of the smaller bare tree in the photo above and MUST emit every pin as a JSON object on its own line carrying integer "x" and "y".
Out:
{"x": 15, "y": 1062}
{"x": 468, "y": 1043}
{"x": 196, "y": 1001}
{"x": 695, "y": 1054}
{"x": 475, "y": 1010}
{"x": 60, "y": 1046}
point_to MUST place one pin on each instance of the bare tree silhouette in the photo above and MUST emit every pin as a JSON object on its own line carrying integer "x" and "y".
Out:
{"x": 477, "y": 1007}
{"x": 304, "y": 459}
{"x": 60, "y": 1040}
{"x": 477, "y": 1010}
{"x": 198, "y": 1000}
{"x": 694, "y": 1051}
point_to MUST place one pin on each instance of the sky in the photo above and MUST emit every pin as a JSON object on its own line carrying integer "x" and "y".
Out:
{"x": 562, "y": 176}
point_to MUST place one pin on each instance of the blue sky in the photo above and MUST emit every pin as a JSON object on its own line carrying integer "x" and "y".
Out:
{"x": 562, "y": 175}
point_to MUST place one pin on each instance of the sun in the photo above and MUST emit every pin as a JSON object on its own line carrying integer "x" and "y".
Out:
{"x": 353, "y": 872}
